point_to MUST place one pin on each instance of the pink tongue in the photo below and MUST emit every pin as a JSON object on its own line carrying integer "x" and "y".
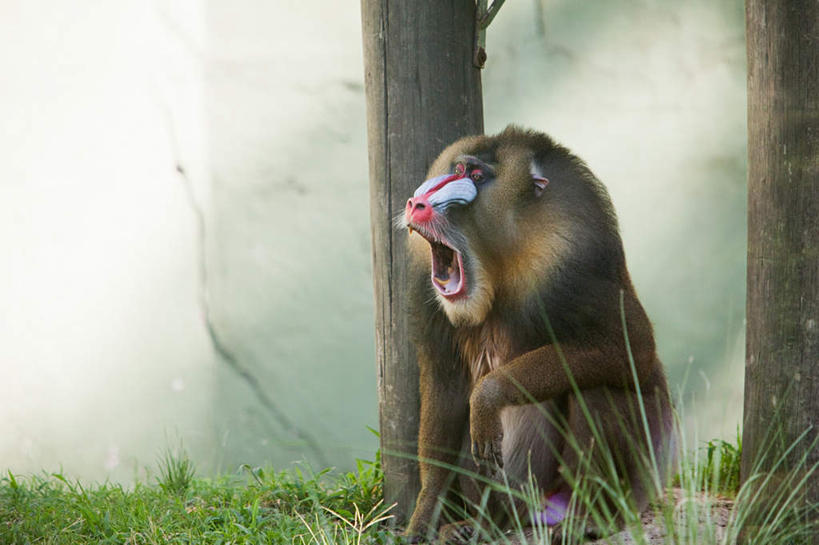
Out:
{"x": 448, "y": 281}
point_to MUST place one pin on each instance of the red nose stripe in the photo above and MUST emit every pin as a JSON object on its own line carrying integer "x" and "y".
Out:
{"x": 442, "y": 184}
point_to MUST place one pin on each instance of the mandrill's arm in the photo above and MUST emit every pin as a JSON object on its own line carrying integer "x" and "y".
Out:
{"x": 541, "y": 375}
{"x": 444, "y": 419}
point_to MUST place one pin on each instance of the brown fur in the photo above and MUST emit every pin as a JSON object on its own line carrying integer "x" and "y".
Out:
{"x": 540, "y": 268}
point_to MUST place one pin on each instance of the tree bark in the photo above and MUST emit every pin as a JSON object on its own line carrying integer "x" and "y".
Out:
{"x": 782, "y": 350}
{"x": 422, "y": 93}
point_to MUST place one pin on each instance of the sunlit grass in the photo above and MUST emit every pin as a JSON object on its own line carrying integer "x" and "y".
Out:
{"x": 260, "y": 505}
{"x": 255, "y": 505}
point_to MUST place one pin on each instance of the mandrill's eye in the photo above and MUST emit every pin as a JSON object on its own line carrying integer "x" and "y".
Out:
{"x": 460, "y": 169}
{"x": 477, "y": 175}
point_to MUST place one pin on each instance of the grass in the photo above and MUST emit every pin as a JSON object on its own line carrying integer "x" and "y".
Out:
{"x": 255, "y": 506}
{"x": 714, "y": 468}
{"x": 176, "y": 471}
{"x": 303, "y": 507}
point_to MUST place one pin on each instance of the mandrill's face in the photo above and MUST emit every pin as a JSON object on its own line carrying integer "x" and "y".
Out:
{"x": 475, "y": 218}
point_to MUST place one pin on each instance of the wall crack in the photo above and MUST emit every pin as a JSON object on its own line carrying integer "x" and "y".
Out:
{"x": 220, "y": 347}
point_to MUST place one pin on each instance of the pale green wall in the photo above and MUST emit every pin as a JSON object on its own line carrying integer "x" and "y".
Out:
{"x": 103, "y": 351}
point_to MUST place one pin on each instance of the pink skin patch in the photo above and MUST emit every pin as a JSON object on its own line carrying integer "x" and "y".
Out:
{"x": 556, "y": 507}
{"x": 419, "y": 209}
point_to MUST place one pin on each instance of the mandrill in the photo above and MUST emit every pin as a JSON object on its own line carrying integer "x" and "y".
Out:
{"x": 518, "y": 294}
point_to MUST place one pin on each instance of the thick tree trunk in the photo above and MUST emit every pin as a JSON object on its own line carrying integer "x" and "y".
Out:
{"x": 422, "y": 93}
{"x": 782, "y": 359}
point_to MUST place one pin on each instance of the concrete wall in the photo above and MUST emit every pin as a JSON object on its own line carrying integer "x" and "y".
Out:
{"x": 125, "y": 124}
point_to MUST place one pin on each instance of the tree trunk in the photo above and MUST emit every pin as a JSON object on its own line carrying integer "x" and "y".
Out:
{"x": 422, "y": 93}
{"x": 782, "y": 357}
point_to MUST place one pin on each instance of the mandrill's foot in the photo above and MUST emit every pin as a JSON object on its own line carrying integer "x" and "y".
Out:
{"x": 458, "y": 533}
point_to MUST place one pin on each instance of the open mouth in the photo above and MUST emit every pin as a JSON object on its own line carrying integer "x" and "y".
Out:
{"x": 447, "y": 268}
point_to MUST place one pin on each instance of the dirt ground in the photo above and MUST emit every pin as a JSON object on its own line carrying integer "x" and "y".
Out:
{"x": 654, "y": 527}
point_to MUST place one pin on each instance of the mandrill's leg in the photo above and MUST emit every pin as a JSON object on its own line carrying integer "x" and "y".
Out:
{"x": 612, "y": 448}
{"x": 531, "y": 447}
{"x": 444, "y": 424}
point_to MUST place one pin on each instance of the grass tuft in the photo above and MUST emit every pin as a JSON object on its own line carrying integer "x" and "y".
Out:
{"x": 721, "y": 466}
{"x": 176, "y": 471}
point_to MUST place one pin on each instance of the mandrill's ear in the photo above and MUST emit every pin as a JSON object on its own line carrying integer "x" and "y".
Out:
{"x": 539, "y": 181}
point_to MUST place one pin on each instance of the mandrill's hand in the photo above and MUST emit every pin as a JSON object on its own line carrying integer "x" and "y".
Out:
{"x": 485, "y": 427}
